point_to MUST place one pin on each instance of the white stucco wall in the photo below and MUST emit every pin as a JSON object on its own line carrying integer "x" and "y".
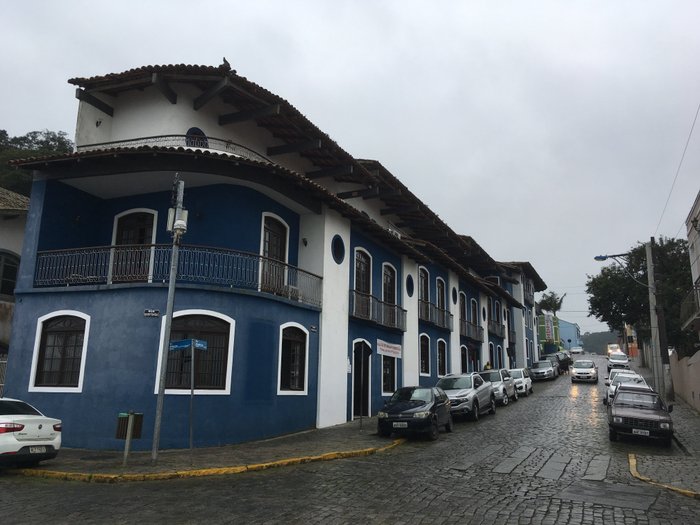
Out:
{"x": 454, "y": 362}
{"x": 410, "y": 359}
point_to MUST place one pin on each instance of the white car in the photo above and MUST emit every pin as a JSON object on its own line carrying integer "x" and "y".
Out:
{"x": 523, "y": 381}
{"x": 627, "y": 377}
{"x": 618, "y": 360}
{"x": 26, "y": 435}
{"x": 584, "y": 370}
{"x": 577, "y": 350}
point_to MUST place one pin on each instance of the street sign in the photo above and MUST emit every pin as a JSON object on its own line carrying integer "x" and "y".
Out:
{"x": 186, "y": 344}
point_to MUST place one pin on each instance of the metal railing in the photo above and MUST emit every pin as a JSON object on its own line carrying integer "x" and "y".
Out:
{"x": 196, "y": 265}
{"x": 690, "y": 307}
{"x": 3, "y": 368}
{"x": 427, "y": 311}
{"x": 471, "y": 331}
{"x": 529, "y": 297}
{"x": 180, "y": 141}
{"x": 497, "y": 329}
{"x": 365, "y": 306}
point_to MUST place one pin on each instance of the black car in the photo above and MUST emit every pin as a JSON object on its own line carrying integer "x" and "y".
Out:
{"x": 416, "y": 409}
{"x": 639, "y": 411}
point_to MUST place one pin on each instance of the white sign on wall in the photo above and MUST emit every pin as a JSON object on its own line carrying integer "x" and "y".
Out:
{"x": 388, "y": 349}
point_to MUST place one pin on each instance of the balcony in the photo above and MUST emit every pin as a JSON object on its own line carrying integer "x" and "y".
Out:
{"x": 429, "y": 312}
{"x": 690, "y": 310}
{"x": 471, "y": 331}
{"x": 368, "y": 307}
{"x": 181, "y": 141}
{"x": 529, "y": 297}
{"x": 497, "y": 329}
{"x": 148, "y": 264}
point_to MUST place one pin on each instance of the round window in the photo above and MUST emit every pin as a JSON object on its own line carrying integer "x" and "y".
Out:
{"x": 454, "y": 295}
{"x": 409, "y": 285}
{"x": 338, "y": 249}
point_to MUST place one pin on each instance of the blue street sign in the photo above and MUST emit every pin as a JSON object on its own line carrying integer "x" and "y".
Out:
{"x": 186, "y": 344}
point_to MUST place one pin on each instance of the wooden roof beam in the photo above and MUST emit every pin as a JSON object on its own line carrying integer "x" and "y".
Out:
{"x": 210, "y": 93}
{"x": 365, "y": 193}
{"x": 251, "y": 114}
{"x": 163, "y": 86}
{"x": 335, "y": 171}
{"x": 294, "y": 147}
{"x": 95, "y": 102}
{"x": 400, "y": 211}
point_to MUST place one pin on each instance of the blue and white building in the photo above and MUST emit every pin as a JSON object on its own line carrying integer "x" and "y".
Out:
{"x": 318, "y": 280}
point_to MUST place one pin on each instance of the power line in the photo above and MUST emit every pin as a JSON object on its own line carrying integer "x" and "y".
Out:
{"x": 678, "y": 169}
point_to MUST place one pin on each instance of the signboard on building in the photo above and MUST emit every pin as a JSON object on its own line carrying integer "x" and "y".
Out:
{"x": 388, "y": 349}
{"x": 549, "y": 327}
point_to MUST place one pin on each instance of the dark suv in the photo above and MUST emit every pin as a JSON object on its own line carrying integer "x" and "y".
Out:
{"x": 637, "y": 411}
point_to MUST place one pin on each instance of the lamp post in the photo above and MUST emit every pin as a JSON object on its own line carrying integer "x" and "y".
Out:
{"x": 661, "y": 369}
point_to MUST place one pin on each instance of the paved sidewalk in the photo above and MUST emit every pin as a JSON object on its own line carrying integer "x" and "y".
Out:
{"x": 683, "y": 470}
{"x": 346, "y": 440}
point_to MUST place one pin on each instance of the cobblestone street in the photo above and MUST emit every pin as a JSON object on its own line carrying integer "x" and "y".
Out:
{"x": 545, "y": 459}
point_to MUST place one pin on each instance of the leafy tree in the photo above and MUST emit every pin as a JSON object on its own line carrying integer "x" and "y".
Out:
{"x": 550, "y": 302}
{"x": 619, "y": 294}
{"x": 33, "y": 144}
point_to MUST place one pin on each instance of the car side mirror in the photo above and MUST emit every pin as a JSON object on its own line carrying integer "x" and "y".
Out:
{"x": 670, "y": 408}
{"x": 607, "y": 383}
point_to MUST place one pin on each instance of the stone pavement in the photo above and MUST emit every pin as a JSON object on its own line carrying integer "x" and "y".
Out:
{"x": 356, "y": 438}
{"x": 677, "y": 472}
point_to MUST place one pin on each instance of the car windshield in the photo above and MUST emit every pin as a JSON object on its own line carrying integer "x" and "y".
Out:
{"x": 633, "y": 399}
{"x": 412, "y": 394}
{"x": 618, "y": 357}
{"x": 583, "y": 364}
{"x": 455, "y": 383}
{"x": 492, "y": 376}
{"x": 621, "y": 378}
{"x": 17, "y": 408}
{"x": 542, "y": 364}
{"x": 518, "y": 374}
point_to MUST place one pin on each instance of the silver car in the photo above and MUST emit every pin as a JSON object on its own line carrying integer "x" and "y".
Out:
{"x": 502, "y": 385}
{"x": 543, "y": 370}
{"x": 469, "y": 395}
{"x": 584, "y": 370}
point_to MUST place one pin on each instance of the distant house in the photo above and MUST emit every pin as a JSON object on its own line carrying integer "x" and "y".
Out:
{"x": 13, "y": 218}
{"x": 319, "y": 281}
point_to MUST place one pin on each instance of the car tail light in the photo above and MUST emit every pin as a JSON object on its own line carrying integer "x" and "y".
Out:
{"x": 58, "y": 427}
{"x": 6, "y": 428}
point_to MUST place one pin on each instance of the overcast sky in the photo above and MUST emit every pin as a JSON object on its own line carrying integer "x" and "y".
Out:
{"x": 548, "y": 131}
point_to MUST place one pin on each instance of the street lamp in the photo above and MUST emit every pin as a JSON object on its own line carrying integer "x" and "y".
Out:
{"x": 662, "y": 374}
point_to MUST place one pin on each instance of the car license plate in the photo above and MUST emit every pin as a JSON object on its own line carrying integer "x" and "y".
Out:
{"x": 640, "y": 432}
{"x": 400, "y": 424}
{"x": 37, "y": 450}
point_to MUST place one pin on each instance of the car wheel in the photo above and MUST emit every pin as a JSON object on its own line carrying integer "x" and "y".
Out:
{"x": 515, "y": 394}
{"x": 505, "y": 399}
{"x": 612, "y": 435}
{"x": 527, "y": 392}
{"x": 475, "y": 411}
{"x": 493, "y": 405}
{"x": 434, "y": 431}
{"x": 532, "y": 390}
{"x": 449, "y": 427}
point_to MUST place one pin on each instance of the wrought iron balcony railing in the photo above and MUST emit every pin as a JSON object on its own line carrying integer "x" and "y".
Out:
{"x": 196, "y": 265}
{"x": 427, "y": 311}
{"x": 690, "y": 309}
{"x": 365, "y": 306}
{"x": 497, "y": 329}
{"x": 181, "y": 141}
{"x": 471, "y": 331}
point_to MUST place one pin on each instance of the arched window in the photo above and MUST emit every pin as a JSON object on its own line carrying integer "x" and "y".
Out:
{"x": 423, "y": 294}
{"x": 293, "y": 360}
{"x": 134, "y": 234}
{"x": 9, "y": 264}
{"x": 424, "y": 355}
{"x": 195, "y": 138}
{"x": 464, "y": 359}
{"x": 389, "y": 295}
{"x": 60, "y": 351}
{"x": 440, "y": 299}
{"x": 210, "y": 365}
{"x": 274, "y": 252}
{"x": 442, "y": 357}
{"x": 363, "y": 284}
{"x": 474, "y": 317}
{"x": 498, "y": 312}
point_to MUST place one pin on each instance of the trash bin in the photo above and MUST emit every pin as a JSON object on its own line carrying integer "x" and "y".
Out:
{"x": 123, "y": 425}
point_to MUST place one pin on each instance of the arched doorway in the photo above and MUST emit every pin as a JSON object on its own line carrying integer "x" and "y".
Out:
{"x": 361, "y": 360}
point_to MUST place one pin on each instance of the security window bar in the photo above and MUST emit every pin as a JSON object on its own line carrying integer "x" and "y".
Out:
{"x": 61, "y": 352}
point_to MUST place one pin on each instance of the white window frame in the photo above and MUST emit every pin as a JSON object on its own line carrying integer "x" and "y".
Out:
{"x": 420, "y": 349}
{"x": 37, "y": 344}
{"x": 115, "y": 224}
{"x": 396, "y": 282}
{"x": 354, "y": 269}
{"x": 204, "y": 392}
{"x": 437, "y": 355}
{"x": 305, "y": 391}
{"x": 444, "y": 305}
{"x": 384, "y": 392}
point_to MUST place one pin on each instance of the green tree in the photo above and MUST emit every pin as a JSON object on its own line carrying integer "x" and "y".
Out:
{"x": 619, "y": 293}
{"x": 33, "y": 144}
{"x": 550, "y": 302}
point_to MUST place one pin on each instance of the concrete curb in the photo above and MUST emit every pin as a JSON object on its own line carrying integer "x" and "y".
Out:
{"x": 196, "y": 473}
{"x": 633, "y": 470}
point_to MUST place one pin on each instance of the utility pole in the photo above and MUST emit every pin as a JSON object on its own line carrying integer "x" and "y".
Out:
{"x": 177, "y": 224}
{"x": 661, "y": 367}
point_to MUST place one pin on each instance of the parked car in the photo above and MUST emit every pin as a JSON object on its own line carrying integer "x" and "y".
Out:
{"x": 620, "y": 378}
{"x": 618, "y": 360}
{"x": 469, "y": 394}
{"x": 639, "y": 412}
{"x": 26, "y": 435}
{"x": 584, "y": 370}
{"x": 522, "y": 379}
{"x": 577, "y": 350}
{"x": 543, "y": 370}
{"x": 556, "y": 362}
{"x": 415, "y": 409}
{"x": 502, "y": 385}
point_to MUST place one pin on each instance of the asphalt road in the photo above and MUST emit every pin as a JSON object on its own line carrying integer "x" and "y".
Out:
{"x": 545, "y": 459}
